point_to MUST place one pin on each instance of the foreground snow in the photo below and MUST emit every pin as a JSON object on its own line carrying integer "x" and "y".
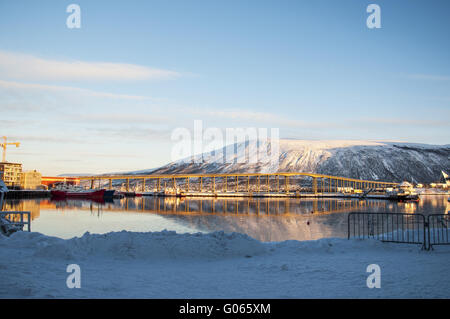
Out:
{"x": 217, "y": 265}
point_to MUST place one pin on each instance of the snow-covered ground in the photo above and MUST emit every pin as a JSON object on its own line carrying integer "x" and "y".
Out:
{"x": 216, "y": 265}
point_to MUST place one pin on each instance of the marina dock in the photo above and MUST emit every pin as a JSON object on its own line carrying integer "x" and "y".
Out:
{"x": 23, "y": 194}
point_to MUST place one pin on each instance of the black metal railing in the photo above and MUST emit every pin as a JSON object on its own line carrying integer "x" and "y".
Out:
{"x": 438, "y": 230}
{"x": 16, "y": 218}
{"x": 388, "y": 227}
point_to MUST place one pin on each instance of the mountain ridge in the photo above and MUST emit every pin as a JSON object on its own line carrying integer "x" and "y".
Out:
{"x": 372, "y": 160}
{"x": 388, "y": 161}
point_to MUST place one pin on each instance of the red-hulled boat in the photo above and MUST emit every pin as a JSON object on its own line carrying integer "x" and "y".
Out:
{"x": 82, "y": 194}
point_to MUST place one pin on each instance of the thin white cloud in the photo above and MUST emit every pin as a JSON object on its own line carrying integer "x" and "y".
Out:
{"x": 119, "y": 118}
{"x": 46, "y": 139}
{"x": 263, "y": 118}
{"x": 428, "y": 77}
{"x": 31, "y": 68}
{"x": 131, "y": 133}
{"x": 4, "y": 123}
{"x": 68, "y": 89}
{"x": 241, "y": 115}
{"x": 401, "y": 121}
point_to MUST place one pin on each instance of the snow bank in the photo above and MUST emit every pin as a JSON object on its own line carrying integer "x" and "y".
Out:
{"x": 149, "y": 245}
{"x": 216, "y": 265}
{"x": 168, "y": 245}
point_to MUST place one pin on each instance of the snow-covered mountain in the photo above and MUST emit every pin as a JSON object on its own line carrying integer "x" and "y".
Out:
{"x": 386, "y": 161}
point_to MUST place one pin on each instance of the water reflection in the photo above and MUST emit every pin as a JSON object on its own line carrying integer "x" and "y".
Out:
{"x": 266, "y": 219}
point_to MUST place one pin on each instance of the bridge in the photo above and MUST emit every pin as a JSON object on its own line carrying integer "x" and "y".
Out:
{"x": 238, "y": 184}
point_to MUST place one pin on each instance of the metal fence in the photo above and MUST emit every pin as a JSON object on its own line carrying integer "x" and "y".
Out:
{"x": 438, "y": 229}
{"x": 16, "y": 218}
{"x": 388, "y": 227}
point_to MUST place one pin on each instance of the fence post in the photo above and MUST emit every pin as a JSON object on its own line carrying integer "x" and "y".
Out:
{"x": 439, "y": 224}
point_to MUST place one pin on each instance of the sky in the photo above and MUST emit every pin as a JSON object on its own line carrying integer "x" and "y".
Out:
{"x": 106, "y": 97}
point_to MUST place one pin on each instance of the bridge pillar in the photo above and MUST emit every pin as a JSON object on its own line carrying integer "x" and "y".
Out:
{"x": 278, "y": 183}
{"x": 92, "y": 183}
{"x": 214, "y": 184}
{"x": 128, "y": 184}
{"x": 110, "y": 183}
{"x": 314, "y": 185}
{"x": 286, "y": 184}
{"x": 143, "y": 184}
{"x": 187, "y": 182}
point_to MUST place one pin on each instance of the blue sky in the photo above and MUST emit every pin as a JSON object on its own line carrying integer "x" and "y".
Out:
{"x": 107, "y": 96}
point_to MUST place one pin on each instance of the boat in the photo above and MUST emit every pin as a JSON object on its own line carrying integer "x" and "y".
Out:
{"x": 78, "y": 194}
{"x": 109, "y": 194}
{"x": 404, "y": 192}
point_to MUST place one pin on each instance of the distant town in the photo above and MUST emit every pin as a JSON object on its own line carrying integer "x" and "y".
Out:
{"x": 16, "y": 178}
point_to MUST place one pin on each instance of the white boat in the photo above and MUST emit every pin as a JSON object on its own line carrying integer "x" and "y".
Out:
{"x": 404, "y": 192}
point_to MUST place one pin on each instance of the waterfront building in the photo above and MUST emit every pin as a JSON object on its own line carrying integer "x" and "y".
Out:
{"x": 10, "y": 173}
{"x": 443, "y": 183}
{"x": 30, "y": 180}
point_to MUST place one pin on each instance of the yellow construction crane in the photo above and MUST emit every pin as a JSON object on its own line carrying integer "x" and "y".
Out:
{"x": 4, "y": 144}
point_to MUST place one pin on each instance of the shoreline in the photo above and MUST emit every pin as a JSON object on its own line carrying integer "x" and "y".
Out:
{"x": 28, "y": 194}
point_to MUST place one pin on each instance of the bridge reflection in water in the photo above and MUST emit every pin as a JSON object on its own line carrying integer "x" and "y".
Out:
{"x": 244, "y": 206}
{"x": 266, "y": 219}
